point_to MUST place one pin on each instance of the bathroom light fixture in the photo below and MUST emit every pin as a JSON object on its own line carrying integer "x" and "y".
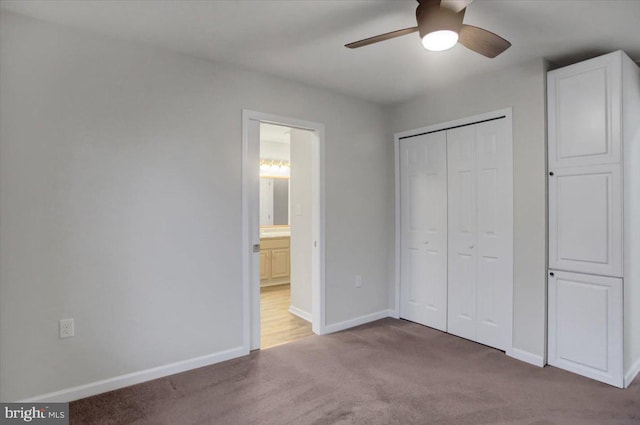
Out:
{"x": 274, "y": 168}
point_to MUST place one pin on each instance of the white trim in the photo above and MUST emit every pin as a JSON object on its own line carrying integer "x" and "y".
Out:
{"x": 396, "y": 154}
{"x": 526, "y": 357}
{"x": 110, "y": 384}
{"x": 461, "y": 121}
{"x": 300, "y": 313}
{"x": 357, "y": 321}
{"x": 632, "y": 373}
{"x": 508, "y": 114}
{"x": 250, "y": 236}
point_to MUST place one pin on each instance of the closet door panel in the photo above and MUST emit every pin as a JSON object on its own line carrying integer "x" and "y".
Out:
{"x": 494, "y": 234}
{"x": 423, "y": 193}
{"x": 585, "y": 220}
{"x": 461, "y": 154}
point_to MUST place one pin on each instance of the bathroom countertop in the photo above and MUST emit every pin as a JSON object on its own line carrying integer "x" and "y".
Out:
{"x": 275, "y": 234}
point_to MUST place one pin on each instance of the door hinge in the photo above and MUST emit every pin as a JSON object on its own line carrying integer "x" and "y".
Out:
{"x": 256, "y": 247}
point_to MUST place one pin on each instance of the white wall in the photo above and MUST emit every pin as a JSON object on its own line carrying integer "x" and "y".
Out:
{"x": 300, "y": 220}
{"x": 120, "y": 203}
{"x": 523, "y": 88}
{"x": 274, "y": 150}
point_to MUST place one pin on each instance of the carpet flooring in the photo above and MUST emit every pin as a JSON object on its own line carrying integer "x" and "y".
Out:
{"x": 386, "y": 372}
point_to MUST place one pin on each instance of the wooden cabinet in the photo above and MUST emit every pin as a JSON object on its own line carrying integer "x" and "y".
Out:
{"x": 594, "y": 218}
{"x": 265, "y": 264}
{"x": 275, "y": 263}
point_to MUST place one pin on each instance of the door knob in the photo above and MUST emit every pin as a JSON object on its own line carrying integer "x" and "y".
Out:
{"x": 426, "y": 242}
{"x": 471, "y": 247}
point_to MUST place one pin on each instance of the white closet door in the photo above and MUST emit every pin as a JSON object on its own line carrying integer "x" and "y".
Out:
{"x": 494, "y": 234}
{"x": 423, "y": 205}
{"x": 585, "y": 325}
{"x": 481, "y": 233}
{"x": 585, "y": 220}
{"x": 461, "y": 154}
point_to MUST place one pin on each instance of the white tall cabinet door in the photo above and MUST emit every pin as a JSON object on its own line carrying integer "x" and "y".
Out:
{"x": 584, "y": 110}
{"x": 494, "y": 234}
{"x": 423, "y": 204}
{"x": 585, "y": 325}
{"x": 585, "y": 220}
{"x": 461, "y": 156}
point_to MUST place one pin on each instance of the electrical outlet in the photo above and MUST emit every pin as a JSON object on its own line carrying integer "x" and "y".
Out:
{"x": 67, "y": 328}
{"x": 358, "y": 281}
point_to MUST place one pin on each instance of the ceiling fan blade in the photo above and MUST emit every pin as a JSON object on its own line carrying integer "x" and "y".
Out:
{"x": 482, "y": 41}
{"x": 381, "y": 37}
{"x": 455, "y": 5}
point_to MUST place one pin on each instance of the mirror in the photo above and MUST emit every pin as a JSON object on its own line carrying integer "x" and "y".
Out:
{"x": 274, "y": 201}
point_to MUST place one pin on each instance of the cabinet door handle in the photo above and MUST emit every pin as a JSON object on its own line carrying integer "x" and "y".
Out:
{"x": 551, "y": 274}
{"x": 551, "y": 173}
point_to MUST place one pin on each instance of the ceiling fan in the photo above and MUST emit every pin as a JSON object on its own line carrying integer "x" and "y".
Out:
{"x": 440, "y": 27}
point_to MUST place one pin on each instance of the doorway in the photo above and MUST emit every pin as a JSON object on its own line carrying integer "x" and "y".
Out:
{"x": 283, "y": 235}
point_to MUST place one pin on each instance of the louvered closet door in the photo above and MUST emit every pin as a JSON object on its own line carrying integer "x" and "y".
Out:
{"x": 423, "y": 206}
{"x": 480, "y": 218}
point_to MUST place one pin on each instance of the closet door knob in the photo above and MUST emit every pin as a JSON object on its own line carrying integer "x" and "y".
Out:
{"x": 551, "y": 274}
{"x": 551, "y": 173}
{"x": 471, "y": 247}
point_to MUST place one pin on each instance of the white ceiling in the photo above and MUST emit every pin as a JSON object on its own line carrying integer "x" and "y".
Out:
{"x": 303, "y": 39}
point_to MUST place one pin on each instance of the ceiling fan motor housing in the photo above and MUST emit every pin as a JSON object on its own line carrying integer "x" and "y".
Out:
{"x": 432, "y": 18}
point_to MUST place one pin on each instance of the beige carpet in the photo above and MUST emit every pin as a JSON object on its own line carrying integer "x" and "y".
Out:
{"x": 387, "y": 372}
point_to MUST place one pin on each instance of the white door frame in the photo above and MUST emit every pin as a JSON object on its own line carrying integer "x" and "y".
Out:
{"x": 250, "y": 223}
{"x": 507, "y": 113}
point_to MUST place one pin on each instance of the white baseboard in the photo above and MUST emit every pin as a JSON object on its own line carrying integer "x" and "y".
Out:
{"x": 340, "y": 326}
{"x": 526, "y": 357}
{"x": 632, "y": 373}
{"x": 110, "y": 384}
{"x": 300, "y": 313}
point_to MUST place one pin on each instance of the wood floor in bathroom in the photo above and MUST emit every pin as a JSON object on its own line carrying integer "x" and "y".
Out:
{"x": 278, "y": 326}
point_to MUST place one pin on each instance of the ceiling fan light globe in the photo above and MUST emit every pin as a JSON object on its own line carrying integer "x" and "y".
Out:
{"x": 440, "y": 40}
